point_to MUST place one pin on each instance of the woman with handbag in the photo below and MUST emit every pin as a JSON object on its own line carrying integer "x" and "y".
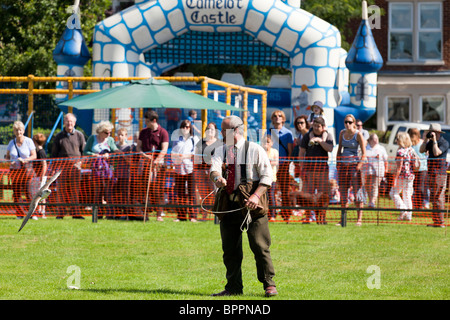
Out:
{"x": 21, "y": 150}
{"x": 182, "y": 157}
{"x": 404, "y": 176}
{"x": 100, "y": 146}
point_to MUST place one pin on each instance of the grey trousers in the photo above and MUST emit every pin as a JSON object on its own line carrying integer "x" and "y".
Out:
{"x": 259, "y": 240}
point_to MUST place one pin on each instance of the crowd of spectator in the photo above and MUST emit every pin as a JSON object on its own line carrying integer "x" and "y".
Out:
{"x": 299, "y": 160}
{"x": 419, "y": 177}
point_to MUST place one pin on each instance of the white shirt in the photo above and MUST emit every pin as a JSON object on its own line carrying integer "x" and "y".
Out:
{"x": 376, "y": 159}
{"x": 185, "y": 147}
{"x": 24, "y": 151}
{"x": 258, "y": 164}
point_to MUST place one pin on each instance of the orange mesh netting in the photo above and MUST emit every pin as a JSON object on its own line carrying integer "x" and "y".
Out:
{"x": 310, "y": 191}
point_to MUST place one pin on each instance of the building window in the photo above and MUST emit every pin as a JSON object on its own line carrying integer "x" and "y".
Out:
{"x": 415, "y": 31}
{"x": 433, "y": 108}
{"x": 398, "y": 108}
{"x": 401, "y": 31}
{"x": 430, "y": 31}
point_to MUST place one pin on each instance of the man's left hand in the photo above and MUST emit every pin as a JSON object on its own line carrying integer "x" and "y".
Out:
{"x": 252, "y": 202}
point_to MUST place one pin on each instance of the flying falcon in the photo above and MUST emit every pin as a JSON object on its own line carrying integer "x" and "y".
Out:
{"x": 42, "y": 194}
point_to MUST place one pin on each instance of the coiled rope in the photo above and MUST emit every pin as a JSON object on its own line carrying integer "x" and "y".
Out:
{"x": 247, "y": 219}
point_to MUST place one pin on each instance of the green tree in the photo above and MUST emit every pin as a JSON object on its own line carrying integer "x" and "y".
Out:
{"x": 29, "y": 34}
{"x": 32, "y": 28}
{"x": 340, "y": 13}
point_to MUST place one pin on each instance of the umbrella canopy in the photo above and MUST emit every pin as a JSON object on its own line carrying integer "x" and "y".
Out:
{"x": 149, "y": 93}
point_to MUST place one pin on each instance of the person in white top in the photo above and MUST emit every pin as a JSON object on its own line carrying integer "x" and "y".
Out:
{"x": 183, "y": 158}
{"x": 374, "y": 169}
{"x": 258, "y": 171}
{"x": 273, "y": 155}
{"x": 21, "y": 150}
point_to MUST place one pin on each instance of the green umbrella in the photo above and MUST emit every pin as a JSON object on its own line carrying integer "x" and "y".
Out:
{"x": 149, "y": 93}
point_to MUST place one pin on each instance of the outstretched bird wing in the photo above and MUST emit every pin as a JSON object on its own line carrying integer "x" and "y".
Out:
{"x": 35, "y": 201}
{"x": 51, "y": 180}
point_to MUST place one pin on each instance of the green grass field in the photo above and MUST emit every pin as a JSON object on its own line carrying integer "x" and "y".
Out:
{"x": 177, "y": 261}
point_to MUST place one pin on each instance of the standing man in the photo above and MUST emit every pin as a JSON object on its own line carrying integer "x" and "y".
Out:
{"x": 249, "y": 159}
{"x": 283, "y": 141}
{"x": 69, "y": 143}
{"x": 359, "y": 126}
{"x": 314, "y": 164}
{"x": 172, "y": 116}
{"x": 153, "y": 142}
{"x": 436, "y": 147}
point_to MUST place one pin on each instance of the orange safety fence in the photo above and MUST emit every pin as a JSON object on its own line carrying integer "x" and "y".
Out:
{"x": 129, "y": 186}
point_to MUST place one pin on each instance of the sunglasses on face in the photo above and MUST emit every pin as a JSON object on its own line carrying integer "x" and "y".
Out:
{"x": 348, "y": 122}
{"x": 300, "y": 122}
{"x": 107, "y": 132}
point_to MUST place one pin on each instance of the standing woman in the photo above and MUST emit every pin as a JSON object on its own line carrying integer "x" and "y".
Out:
{"x": 404, "y": 176}
{"x": 301, "y": 128}
{"x": 204, "y": 150}
{"x": 182, "y": 157}
{"x": 21, "y": 150}
{"x": 101, "y": 145}
{"x": 421, "y": 197}
{"x": 350, "y": 163}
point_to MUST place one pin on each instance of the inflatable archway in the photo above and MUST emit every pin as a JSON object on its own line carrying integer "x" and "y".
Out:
{"x": 312, "y": 45}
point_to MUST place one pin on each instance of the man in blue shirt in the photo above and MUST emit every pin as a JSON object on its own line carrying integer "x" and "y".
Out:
{"x": 436, "y": 147}
{"x": 283, "y": 141}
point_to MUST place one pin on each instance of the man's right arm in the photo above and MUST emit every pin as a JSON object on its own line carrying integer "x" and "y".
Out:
{"x": 216, "y": 169}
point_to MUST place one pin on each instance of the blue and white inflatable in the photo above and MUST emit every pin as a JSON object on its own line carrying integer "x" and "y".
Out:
{"x": 309, "y": 46}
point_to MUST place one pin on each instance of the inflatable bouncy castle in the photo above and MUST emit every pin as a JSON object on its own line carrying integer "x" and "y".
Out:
{"x": 152, "y": 37}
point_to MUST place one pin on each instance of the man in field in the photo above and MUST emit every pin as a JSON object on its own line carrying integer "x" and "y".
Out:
{"x": 243, "y": 169}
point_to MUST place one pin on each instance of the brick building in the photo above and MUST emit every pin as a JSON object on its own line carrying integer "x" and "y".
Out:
{"x": 414, "y": 41}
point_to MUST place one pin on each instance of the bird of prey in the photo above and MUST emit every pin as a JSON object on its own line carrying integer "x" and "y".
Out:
{"x": 42, "y": 194}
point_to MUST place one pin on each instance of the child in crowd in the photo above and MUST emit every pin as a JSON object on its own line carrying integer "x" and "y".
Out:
{"x": 122, "y": 142}
{"x": 273, "y": 155}
{"x": 335, "y": 195}
{"x": 317, "y": 112}
{"x": 40, "y": 168}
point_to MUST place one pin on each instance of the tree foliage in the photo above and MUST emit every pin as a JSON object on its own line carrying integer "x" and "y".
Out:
{"x": 338, "y": 13}
{"x": 32, "y": 28}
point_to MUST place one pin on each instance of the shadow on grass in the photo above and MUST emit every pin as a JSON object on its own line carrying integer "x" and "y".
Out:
{"x": 148, "y": 291}
{"x": 157, "y": 292}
